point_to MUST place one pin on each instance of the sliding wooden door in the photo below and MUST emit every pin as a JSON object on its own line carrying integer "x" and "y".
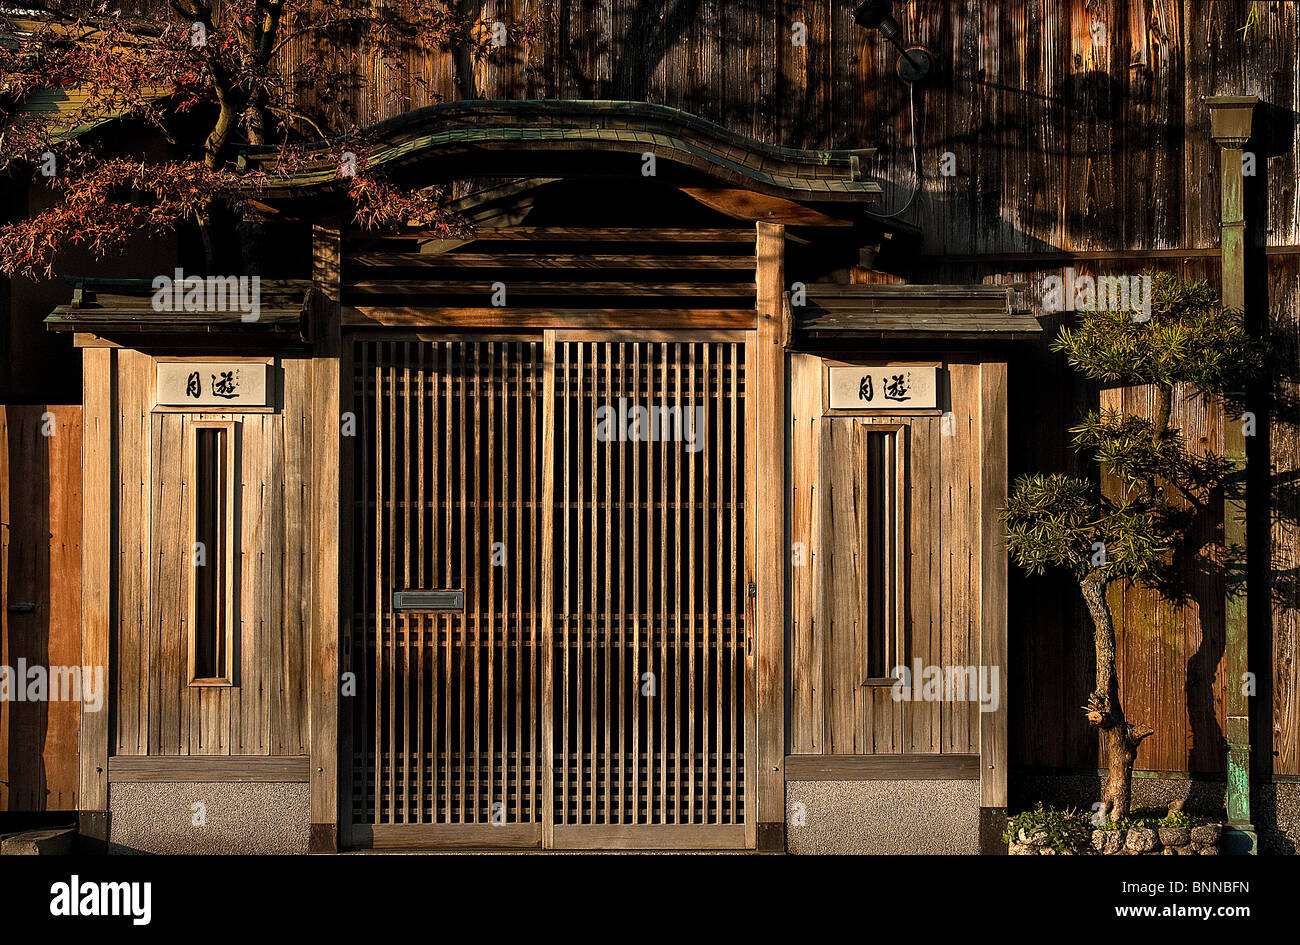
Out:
{"x": 550, "y": 627}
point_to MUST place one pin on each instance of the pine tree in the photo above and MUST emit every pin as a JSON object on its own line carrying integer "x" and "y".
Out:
{"x": 1137, "y": 529}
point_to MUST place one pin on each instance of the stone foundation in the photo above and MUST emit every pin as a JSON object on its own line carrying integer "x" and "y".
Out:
{"x": 882, "y": 816}
{"x": 208, "y": 817}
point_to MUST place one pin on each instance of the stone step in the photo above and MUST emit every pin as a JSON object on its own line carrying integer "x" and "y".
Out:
{"x": 53, "y": 841}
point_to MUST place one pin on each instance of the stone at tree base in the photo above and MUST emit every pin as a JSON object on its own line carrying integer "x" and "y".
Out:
{"x": 1174, "y": 836}
{"x": 1209, "y": 850}
{"x": 1186, "y": 850}
{"x": 1037, "y": 839}
{"x": 1107, "y": 841}
{"x": 1206, "y": 833}
{"x": 1141, "y": 839}
{"x": 1169, "y": 851}
{"x": 1020, "y": 849}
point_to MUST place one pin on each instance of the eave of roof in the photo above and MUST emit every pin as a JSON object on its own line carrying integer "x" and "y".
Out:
{"x": 117, "y": 306}
{"x": 525, "y": 129}
{"x": 903, "y": 311}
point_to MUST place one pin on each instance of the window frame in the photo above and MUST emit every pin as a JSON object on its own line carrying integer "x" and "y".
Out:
{"x": 226, "y": 608}
{"x": 894, "y": 604}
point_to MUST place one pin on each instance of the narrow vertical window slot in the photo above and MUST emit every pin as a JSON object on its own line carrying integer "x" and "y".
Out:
{"x": 880, "y": 556}
{"x": 211, "y": 553}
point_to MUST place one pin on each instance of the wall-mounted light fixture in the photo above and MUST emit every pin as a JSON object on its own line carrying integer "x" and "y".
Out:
{"x": 914, "y": 62}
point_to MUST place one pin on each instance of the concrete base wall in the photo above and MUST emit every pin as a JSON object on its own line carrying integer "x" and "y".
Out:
{"x": 156, "y": 817}
{"x": 882, "y": 816}
{"x": 1275, "y": 808}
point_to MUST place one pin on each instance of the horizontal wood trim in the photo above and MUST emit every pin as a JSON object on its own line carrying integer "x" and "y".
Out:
{"x": 637, "y": 837}
{"x": 550, "y": 261}
{"x": 695, "y": 335}
{"x": 447, "y": 836}
{"x": 646, "y": 289}
{"x": 1064, "y": 255}
{"x": 631, "y": 234}
{"x": 945, "y": 767}
{"x": 665, "y": 319}
{"x": 219, "y": 768}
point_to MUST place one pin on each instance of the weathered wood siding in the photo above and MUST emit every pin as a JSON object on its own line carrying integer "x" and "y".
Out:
{"x": 40, "y": 566}
{"x": 156, "y": 712}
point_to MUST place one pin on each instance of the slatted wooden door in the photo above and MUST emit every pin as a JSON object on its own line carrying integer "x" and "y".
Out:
{"x": 587, "y": 496}
{"x": 447, "y": 730}
{"x": 649, "y": 654}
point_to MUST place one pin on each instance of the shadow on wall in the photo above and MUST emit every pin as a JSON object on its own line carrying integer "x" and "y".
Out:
{"x": 24, "y": 725}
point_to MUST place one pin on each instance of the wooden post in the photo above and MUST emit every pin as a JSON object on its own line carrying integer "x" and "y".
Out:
{"x": 771, "y": 551}
{"x": 323, "y": 692}
{"x": 993, "y": 602}
{"x": 98, "y": 368}
{"x": 1230, "y": 120}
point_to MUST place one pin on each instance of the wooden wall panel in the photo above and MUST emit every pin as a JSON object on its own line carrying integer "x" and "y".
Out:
{"x": 265, "y": 712}
{"x": 832, "y": 712}
{"x": 40, "y": 603}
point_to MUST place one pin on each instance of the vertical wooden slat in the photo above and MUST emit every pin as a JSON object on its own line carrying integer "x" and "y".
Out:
{"x": 390, "y": 571}
{"x": 678, "y": 675}
{"x": 634, "y": 401}
{"x": 369, "y": 606}
{"x": 463, "y": 623}
{"x": 691, "y": 604}
{"x": 720, "y": 615}
{"x": 665, "y": 747}
{"x": 515, "y": 613}
{"x": 428, "y": 792}
{"x": 735, "y": 608}
{"x": 453, "y": 362}
{"x": 545, "y": 544}
{"x": 488, "y": 465}
{"x": 609, "y": 615}
{"x": 407, "y": 618}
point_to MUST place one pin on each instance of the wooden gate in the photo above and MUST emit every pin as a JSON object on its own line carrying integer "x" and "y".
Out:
{"x": 585, "y": 494}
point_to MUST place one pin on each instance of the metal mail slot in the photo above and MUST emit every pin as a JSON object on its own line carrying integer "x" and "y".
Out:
{"x": 428, "y": 600}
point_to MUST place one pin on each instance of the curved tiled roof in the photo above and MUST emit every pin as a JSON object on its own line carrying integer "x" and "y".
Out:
{"x": 518, "y": 130}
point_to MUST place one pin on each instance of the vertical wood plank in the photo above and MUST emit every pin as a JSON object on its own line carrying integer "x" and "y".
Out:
{"x": 98, "y": 368}
{"x": 993, "y": 579}
{"x": 324, "y": 689}
{"x": 766, "y": 393}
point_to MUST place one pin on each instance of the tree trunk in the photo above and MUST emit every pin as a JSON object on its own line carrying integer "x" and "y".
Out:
{"x": 1119, "y": 739}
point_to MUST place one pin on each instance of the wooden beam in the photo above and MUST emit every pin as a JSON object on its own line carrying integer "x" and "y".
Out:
{"x": 927, "y": 767}
{"x": 993, "y": 579}
{"x": 205, "y": 768}
{"x": 485, "y": 288}
{"x": 771, "y": 550}
{"x": 666, "y": 234}
{"x": 550, "y": 261}
{"x": 323, "y": 691}
{"x": 448, "y": 836}
{"x": 99, "y": 410}
{"x": 518, "y": 318}
{"x": 644, "y": 837}
{"x": 750, "y": 205}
